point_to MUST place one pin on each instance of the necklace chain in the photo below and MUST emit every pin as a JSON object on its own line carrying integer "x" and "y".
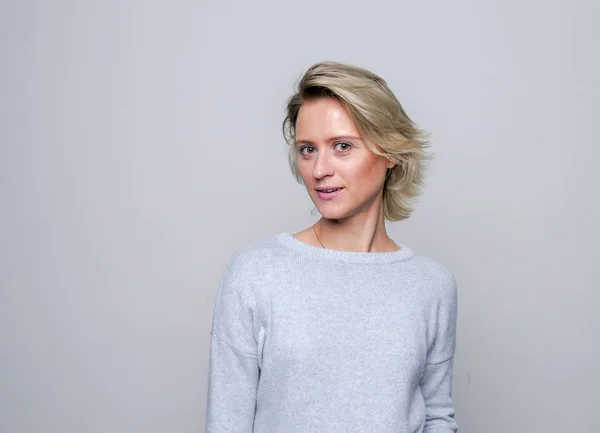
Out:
{"x": 315, "y": 232}
{"x": 397, "y": 248}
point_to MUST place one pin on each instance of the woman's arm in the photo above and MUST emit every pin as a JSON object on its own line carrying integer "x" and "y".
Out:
{"x": 436, "y": 387}
{"x": 436, "y": 383}
{"x": 232, "y": 381}
{"x": 233, "y": 366}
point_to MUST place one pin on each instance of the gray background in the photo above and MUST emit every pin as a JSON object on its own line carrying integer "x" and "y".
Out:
{"x": 141, "y": 146}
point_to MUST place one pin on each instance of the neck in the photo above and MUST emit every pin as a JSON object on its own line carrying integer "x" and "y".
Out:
{"x": 360, "y": 233}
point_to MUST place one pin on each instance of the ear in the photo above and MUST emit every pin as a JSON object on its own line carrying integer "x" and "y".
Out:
{"x": 391, "y": 164}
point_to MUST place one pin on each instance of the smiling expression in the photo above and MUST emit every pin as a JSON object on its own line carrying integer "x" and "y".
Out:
{"x": 342, "y": 175}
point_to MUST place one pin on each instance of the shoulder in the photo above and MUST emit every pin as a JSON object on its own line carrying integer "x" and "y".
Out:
{"x": 254, "y": 263}
{"x": 253, "y": 256}
{"x": 439, "y": 281}
{"x": 248, "y": 269}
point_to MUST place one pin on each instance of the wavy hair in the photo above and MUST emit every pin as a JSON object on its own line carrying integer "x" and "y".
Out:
{"x": 384, "y": 125}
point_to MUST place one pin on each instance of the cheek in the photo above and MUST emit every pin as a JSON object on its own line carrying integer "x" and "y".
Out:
{"x": 366, "y": 172}
{"x": 304, "y": 170}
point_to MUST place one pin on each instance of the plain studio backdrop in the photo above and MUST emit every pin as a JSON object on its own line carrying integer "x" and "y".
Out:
{"x": 141, "y": 145}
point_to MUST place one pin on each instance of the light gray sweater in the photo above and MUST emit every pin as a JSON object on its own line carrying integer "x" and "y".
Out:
{"x": 306, "y": 339}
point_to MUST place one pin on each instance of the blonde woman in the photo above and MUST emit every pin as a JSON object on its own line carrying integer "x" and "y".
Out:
{"x": 337, "y": 328}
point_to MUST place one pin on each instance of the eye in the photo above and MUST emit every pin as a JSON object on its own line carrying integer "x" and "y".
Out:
{"x": 306, "y": 150}
{"x": 343, "y": 146}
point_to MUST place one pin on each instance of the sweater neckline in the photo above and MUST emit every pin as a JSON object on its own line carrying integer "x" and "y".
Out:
{"x": 288, "y": 240}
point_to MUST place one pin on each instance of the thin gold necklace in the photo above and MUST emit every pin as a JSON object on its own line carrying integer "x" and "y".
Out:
{"x": 397, "y": 247}
{"x": 315, "y": 232}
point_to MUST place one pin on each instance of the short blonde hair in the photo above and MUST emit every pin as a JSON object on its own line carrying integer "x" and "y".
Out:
{"x": 381, "y": 120}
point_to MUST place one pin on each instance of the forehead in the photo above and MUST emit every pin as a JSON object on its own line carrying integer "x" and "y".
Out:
{"x": 324, "y": 117}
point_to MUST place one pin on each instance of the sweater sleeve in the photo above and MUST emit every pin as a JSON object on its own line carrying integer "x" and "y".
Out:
{"x": 436, "y": 383}
{"x": 233, "y": 365}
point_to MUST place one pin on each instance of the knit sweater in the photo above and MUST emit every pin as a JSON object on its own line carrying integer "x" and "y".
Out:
{"x": 306, "y": 339}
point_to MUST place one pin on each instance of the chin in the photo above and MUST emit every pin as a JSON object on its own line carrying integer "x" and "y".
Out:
{"x": 333, "y": 214}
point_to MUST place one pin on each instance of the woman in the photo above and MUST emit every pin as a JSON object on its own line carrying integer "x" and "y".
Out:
{"x": 338, "y": 328}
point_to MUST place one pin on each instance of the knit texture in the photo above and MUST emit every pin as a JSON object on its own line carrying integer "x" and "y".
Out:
{"x": 306, "y": 339}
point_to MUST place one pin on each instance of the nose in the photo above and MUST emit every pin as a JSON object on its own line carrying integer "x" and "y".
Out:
{"x": 323, "y": 166}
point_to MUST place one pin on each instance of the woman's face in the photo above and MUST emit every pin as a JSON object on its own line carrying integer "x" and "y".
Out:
{"x": 342, "y": 175}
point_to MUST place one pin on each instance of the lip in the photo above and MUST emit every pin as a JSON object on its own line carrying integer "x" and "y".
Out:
{"x": 328, "y": 195}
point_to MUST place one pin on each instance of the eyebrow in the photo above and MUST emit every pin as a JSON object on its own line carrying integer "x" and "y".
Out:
{"x": 339, "y": 137}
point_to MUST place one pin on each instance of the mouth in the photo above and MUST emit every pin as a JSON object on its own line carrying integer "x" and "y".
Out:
{"x": 328, "y": 193}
